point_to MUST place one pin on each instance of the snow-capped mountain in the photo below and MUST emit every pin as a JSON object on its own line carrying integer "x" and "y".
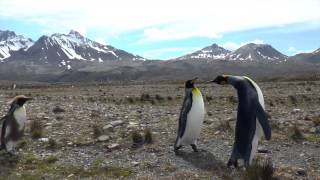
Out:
{"x": 10, "y": 42}
{"x": 63, "y": 50}
{"x": 210, "y": 52}
{"x": 256, "y": 52}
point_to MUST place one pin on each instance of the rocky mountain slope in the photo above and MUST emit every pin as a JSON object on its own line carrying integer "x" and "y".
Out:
{"x": 10, "y": 42}
{"x": 313, "y": 57}
{"x": 257, "y": 52}
{"x": 63, "y": 50}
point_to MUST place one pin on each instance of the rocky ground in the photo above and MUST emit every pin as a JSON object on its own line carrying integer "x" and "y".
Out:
{"x": 97, "y": 131}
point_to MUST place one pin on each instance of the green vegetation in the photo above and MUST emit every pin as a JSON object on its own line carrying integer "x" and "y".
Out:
{"x": 31, "y": 167}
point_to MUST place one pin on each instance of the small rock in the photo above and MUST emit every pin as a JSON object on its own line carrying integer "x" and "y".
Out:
{"x": 296, "y": 110}
{"x": 263, "y": 151}
{"x": 48, "y": 124}
{"x": 44, "y": 139}
{"x": 135, "y": 163}
{"x": 117, "y": 123}
{"x": 217, "y": 132}
{"x": 103, "y": 138}
{"x": 317, "y": 130}
{"x": 301, "y": 172}
{"x": 313, "y": 130}
{"x": 113, "y": 146}
{"x": 108, "y": 127}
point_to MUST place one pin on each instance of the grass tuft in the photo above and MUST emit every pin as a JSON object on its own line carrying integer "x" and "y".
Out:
{"x": 97, "y": 131}
{"x": 137, "y": 139}
{"x": 260, "y": 170}
{"x": 297, "y": 135}
{"x": 36, "y": 129}
{"x": 52, "y": 144}
{"x": 58, "y": 109}
{"x": 148, "y": 136}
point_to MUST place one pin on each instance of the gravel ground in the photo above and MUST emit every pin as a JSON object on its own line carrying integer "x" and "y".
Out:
{"x": 87, "y": 132}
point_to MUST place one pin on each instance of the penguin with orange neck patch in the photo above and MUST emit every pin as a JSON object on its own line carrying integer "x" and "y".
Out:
{"x": 12, "y": 125}
{"x": 191, "y": 117}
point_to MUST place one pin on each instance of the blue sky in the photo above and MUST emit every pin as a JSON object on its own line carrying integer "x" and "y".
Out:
{"x": 171, "y": 28}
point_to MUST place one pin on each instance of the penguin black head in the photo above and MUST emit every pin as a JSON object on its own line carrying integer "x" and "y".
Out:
{"x": 20, "y": 100}
{"x": 221, "y": 79}
{"x": 190, "y": 83}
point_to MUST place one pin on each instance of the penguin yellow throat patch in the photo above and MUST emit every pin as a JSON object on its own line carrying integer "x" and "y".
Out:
{"x": 196, "y": 92}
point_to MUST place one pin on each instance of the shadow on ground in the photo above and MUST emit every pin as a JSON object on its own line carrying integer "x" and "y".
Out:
{"x": 8, "y": 164}
{"x": 203, "y": 159}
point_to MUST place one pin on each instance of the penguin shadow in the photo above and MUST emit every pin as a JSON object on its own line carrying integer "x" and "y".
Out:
{"x": 8, "y": 163}
{"x": 203, "y": 159}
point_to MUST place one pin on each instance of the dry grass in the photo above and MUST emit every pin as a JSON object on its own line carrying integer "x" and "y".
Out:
{"x": 97, "y": 131}
{"x": 148, "y": 136}
{"x": 36, "y": 129}
{"x": 137, "y": 139}
{"x": 58, "y": 109}
{"x": 260, "y": 170}
{"x": 297, "y": 135}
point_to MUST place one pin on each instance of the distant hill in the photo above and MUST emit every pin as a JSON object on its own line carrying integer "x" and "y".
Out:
{"x": 73, "y": 57}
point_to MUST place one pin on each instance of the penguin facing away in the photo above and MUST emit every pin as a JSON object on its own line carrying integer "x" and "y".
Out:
{"x": 191, "y": 117}
{"x": 12, "y": 125}
{"x": 251, "y": 118}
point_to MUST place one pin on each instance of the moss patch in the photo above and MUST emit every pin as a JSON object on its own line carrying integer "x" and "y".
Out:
{"x": 31, "y": 167}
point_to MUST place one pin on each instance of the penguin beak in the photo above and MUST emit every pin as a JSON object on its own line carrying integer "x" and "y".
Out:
{"x": 194, "y": 80}
{"x": 211, "y": 81}
{"x": 28, "y": 98}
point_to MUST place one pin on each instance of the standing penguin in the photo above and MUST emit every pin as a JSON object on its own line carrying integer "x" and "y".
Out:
{"x": 251, "y": 118}
{"x": 191, "y": 117}
{"x": 12, "y": 125}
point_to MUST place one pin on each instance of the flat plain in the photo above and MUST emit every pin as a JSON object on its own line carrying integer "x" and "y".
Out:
{"x": 97, "y": 131}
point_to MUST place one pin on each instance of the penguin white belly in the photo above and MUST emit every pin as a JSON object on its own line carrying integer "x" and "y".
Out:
{"x": 194, "y": 121}
{"x": 21, "y": 116}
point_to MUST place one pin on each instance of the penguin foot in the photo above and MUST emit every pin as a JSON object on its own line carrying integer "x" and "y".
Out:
{"x": 176, "y": 149}
{"x": 194, "y": 147}
{"x": 12, "y": 153}
{"x": 232, "y": 162}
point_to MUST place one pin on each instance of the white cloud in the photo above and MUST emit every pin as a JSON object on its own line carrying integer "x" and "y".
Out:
{"x": 233, "y": 46}
{"x": 161, "y": 20}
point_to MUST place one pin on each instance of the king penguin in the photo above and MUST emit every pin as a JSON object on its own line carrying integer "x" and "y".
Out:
{"x": 191, "y": 117}
{"x": 251, "y": 118}
{"x": 12, "y": 125}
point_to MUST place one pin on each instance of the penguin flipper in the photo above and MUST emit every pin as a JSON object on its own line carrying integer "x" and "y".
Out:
{"x": 264, "y": 122}
{"x": 187, "y": 104}
{"x": 2, "y": 131}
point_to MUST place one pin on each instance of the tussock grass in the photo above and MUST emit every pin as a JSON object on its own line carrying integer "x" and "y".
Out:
{"x": 297, "y": 135}
{"x": 97, "y": 131}
{"x": 148, "y": 139}
{"x": 260, "y": 170}
{"x": 58, "y": 109}
{"x": 36, "y": 129}
{"x": 137, "y": 139}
